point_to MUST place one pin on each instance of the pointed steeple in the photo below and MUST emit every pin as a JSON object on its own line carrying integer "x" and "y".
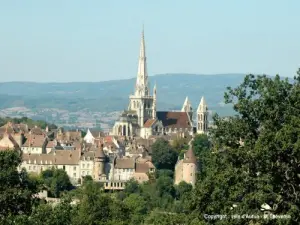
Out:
{"x": 202, "y": 106}
{"x": 142, "y": 88}
{"x": 189, "y": 156}
{"x": 187, "y": 107}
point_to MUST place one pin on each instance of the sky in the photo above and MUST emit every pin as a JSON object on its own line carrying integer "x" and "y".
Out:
{"x": 97, "y": 40}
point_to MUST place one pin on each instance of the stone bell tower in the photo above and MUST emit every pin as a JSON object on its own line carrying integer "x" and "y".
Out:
{"x": 202, "y": 117}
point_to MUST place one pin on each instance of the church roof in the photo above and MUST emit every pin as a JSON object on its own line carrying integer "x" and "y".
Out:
{"x": 174, "y": 119}
{"x": 149, "y": 122}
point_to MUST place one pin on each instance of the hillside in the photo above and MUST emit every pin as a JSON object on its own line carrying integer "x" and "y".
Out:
{"x": 90, "y": 104}
{"x": 113, "y": 95}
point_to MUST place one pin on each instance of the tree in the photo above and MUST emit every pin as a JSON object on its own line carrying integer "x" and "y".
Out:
{"x": 137, "y": 205}
{"x": 200, "y": 143}
{"x": 48, "y": 214}
{"x": 255, "y": 158}
{"x": 182, "y": 189}
{"x": 163, "y": 155}
{"x": 132, "y": 186}
{"x": 180, "y": 144}
{"x": 167, "y": 173}
{"x": 16, "y": 188}
{"x": 96, "y": 207}
{"x": 56, "y": 180}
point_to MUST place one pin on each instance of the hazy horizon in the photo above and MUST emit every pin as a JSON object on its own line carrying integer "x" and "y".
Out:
{"x": 74, "y": 41}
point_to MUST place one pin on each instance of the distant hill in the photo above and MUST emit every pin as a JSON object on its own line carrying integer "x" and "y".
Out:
{"x": 110, "y": 96}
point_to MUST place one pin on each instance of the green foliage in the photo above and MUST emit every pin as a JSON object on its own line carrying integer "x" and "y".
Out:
{"x": 201, "y": 143}
{"x": 163, "y": 155}
{"x": 158, "y": 217}
{"x": 256, "y": 154}
{"x": 56, "y": 181}
{"x": 47, "y": 214}
{"x": 131, "y": 187}
{"x": 16, "y": 188}
{"x": 96, "y": 207}
{"x": 183, "y": 189}
{"x": 161, "y": 173}
{"x": 86, "y": 179}
{"x": 180, "y": 144}
{"x": 40, "y": 123}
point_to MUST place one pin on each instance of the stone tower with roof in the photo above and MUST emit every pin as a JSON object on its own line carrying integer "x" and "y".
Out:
{"x": 99, "y": 164}
{"x": 186, "y": 168}
{"x": 202, "y": 117}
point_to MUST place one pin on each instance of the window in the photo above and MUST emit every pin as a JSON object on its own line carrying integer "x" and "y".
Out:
{"x": 83, "y": 165}
{"x": 74, "y": 167}
{"x": 74, "y": 174}
{"x": 87, "y": 165}
{"x": 88, "y": 172}
{"x": 64, "y": 167}
{"x": 33, "y": 167}
{"x": 83, "y": 173}
{"x": 191, "y": 174}
{"x": 29, "y": 167}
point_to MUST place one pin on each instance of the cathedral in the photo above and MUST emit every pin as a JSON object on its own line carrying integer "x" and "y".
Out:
{"x": 142, "y": 118}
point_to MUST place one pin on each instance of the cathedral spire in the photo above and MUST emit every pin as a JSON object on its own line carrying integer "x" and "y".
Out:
{"x": 202, "y": 106}
{"x": 142, "y": 88}
{"x": 187, "y": 107}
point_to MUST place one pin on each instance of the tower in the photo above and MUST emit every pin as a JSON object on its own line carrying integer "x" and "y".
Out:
{"x": 99, "y": 161}
{"x": 187, "y": 107}
{"x": 202, "y": 117}
{"x": 154, "y": 102}
{"x": 141, "y": 102}
{"x": 186, "y": 169}
{"x": 142, "y": 85}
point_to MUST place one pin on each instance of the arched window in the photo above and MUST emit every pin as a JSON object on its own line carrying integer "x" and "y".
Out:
{"x": 124, "y": 130}
{"x": 201, "y": 117}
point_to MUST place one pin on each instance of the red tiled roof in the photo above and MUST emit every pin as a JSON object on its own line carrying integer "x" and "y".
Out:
{"x": 108, "y": 139}
{"x": 34, "y": 141}
{"x": 174, "y": 119}
{"x": 149, "y": 122}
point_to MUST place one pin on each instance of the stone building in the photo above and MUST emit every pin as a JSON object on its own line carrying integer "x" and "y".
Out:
{"x": 142, "y": 118}
{"x": 186, "y": 168}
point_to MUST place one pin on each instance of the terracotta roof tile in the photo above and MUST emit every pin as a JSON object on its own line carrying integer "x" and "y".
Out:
{"x": 34, "y": 141}
{"x": 149, "y": 122}
{"x": 174, "y": 119}
{"x": 140, "y": 177}
{"x": 125, "y": 163}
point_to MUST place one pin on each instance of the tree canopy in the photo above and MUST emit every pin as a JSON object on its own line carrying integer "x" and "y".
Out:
{"x": 163, "y": 155}
{"x": 56, "y": 181}
{"x": 255, "y": 158}
{"x": 16, "y": 189}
